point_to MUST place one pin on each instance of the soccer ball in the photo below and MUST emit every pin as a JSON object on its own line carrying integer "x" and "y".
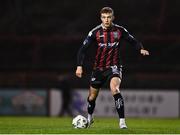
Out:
{"x": 79, "y": 122}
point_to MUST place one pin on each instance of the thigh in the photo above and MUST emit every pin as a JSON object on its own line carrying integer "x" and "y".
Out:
{"x": 115, "y": 79}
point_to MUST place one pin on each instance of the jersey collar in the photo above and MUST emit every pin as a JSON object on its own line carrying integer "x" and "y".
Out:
{"x": 104, "y": 28}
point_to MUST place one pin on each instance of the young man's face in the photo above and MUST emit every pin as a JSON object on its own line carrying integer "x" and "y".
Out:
{"x": 107, "y": 19}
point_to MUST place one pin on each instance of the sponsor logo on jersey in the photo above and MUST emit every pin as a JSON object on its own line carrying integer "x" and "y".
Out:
{"x": 101, "y": 36}
{"x": 108, "y": 44}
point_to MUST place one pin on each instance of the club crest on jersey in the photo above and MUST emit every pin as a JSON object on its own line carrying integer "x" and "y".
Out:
{"x": 115, "y": 35}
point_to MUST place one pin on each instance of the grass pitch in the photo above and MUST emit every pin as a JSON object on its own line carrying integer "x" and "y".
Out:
{"x": 62, "y": 125}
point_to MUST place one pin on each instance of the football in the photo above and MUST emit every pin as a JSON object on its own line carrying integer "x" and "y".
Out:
{"x": 79, "y": 122}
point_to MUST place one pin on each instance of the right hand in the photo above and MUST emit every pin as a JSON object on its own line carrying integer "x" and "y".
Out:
{"x": 79, "y": 71}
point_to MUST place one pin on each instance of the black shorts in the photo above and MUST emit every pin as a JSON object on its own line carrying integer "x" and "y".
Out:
{"x": 99, "y": 77}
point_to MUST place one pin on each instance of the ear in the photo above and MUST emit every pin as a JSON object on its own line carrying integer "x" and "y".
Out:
{"x": 100, "y": 18}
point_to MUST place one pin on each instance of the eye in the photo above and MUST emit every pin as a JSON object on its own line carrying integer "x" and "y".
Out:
{"x": 103, "y": 17}
{"x": 109, "y": 17}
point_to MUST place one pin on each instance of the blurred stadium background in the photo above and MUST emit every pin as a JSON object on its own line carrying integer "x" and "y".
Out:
{"x": 39, "y": 42}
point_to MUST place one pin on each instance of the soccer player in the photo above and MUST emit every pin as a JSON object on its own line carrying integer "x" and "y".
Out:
{"x": 107, "y": 65}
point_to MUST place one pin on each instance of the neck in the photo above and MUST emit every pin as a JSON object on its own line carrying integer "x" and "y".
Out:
{"x": 106, "y": 27}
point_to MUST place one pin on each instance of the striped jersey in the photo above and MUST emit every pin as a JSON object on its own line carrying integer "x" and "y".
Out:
{"x": 107, "y": 42}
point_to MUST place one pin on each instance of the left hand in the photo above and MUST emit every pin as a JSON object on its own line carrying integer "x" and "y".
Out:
{"x": 144, "y": 52}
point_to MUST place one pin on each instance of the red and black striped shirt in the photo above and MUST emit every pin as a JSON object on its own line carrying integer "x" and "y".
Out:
{"x": 108, "y": 45}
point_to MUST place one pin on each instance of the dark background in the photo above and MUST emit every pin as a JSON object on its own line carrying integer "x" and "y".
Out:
{"x": 39, "y": 40}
